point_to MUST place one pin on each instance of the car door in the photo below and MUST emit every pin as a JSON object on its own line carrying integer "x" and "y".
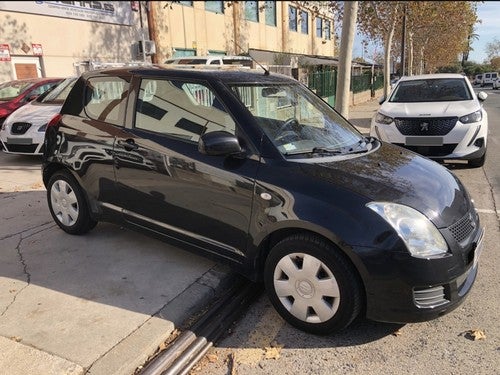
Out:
{"x": 165, "y": 184}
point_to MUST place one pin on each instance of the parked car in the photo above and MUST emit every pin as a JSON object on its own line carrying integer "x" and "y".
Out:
{"x": 23, "y": 131}
{"x": 488, "y": 78}
{"x": 478, "y": 79}
{"x": 256, "y": 170}
{"x": 496, "y": 84}
{"x": 436, "y": 115}
{"x": 14, "y": 94}
{"x": 212, "y": 60}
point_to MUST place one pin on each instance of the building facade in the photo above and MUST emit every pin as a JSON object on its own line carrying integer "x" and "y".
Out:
{"x": 65, "y": 38}
{"x": 190, "y": 28}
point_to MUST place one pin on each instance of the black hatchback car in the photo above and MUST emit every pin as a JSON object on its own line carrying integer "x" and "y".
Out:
{"x": 256, "y": 170}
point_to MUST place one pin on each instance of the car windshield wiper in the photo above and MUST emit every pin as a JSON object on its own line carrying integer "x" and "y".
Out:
{"x": 315, "y": 150}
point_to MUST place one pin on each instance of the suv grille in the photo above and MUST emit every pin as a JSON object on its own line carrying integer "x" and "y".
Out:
{"x": 425, "y": 126}
{"x": 19, "y": 127}
{"x": 431, "y": 151}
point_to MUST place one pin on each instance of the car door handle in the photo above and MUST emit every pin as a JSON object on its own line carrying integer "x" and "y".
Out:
{"x": 128, "y": 145}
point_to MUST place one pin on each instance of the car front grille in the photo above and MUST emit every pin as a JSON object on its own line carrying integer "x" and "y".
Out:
{"x": 431, "y": 151}
{"x": 19, "y": 127}
{"x": 464, "y": 227}
{"x": 425, "y": 126}
{"x": 29, "y": 149}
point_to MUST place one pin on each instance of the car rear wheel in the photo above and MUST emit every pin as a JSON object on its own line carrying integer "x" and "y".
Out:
{"x": 312, "y": 285}
{"x": 67, "y": 204}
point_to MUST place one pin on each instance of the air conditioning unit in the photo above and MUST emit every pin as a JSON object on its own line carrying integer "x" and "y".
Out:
{"x": 149, "y": 47}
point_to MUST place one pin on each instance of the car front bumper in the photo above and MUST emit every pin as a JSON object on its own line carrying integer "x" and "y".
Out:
{"x": 403, "y": 289}
{"x": 464, "y": 141}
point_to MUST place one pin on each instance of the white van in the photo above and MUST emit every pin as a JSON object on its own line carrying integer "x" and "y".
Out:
{"x": 489, "y": 78}
{"x": 212, "y": 60}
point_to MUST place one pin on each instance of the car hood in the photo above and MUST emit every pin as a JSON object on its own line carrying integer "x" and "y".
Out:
{"x": 393, "y": 174}
{"x": 430, "y": 109}
{"x": 34, "y": 114}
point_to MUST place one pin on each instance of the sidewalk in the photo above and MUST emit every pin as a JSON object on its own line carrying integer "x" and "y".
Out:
{"x": 360, "y": 115}
{"x": 97, "y": 304}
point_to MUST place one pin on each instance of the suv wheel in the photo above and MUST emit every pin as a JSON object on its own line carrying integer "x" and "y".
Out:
{"x": 67, "y": 204}
{"x": 312, "y": 285}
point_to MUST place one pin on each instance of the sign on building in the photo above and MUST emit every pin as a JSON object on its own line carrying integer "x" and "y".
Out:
{"x": 4, "y": 52}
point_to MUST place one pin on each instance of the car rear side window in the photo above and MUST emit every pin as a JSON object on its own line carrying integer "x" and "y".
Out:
{"x": 180, "y": 109}
{"x": 105, "y": 99}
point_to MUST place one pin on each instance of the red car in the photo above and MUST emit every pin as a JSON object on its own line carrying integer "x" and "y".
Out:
{"x": 15, "y": 94}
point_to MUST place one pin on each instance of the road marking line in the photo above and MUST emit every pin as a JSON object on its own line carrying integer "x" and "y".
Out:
{"x": 486, "y": 211}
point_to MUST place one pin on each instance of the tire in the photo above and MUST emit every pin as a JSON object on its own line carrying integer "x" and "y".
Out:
{"x": 477, "y": 163}
{"x": 67, "y": 204}
{"x": 294, "y": 271}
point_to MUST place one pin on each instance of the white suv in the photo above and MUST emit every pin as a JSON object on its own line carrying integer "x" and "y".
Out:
{"x": 436, "y": 115}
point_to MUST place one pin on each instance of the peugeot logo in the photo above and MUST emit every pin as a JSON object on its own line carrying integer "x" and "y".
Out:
{"x": 424, "y": 127}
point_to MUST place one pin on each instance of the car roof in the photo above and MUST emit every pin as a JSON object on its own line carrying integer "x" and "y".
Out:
{"x": 204, "y": 72}
{"x": 432, "y": 76}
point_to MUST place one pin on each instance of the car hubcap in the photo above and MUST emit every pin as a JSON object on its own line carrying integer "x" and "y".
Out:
{"x": 306, "y": 287}
{"x": 64, "y": 202}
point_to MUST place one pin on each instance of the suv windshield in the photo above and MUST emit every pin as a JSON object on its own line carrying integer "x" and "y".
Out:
{"x": 431, "y": 90}
{"x": 298, "y": 122}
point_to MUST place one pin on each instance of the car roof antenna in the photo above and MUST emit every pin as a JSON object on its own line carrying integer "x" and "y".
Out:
{"x": 266, "y": 72}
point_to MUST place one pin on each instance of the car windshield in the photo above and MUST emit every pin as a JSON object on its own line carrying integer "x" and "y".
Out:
{"x": 12, "y": 89}
{"x": 431, "y": 90}
{"x": 299, "y": 123}
{"x": 59, "y": 93}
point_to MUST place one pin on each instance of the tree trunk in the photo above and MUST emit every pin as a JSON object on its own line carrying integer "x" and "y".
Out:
{"x": 345, "y": 58}
{"x": 387, "y": 58}
{"x": 410, "y": 53}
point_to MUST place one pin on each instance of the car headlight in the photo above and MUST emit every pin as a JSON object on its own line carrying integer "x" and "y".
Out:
{"x": 471, "y": 117}
{"x": 42, "y": 128}
{"x": 420, "y": 235}
{"x": 383, "y": 119}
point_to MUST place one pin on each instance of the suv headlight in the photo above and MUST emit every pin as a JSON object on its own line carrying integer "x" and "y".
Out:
{"x": 383, "y": 119}
{"x": 420, "y": 235}
{"x": 471, "y": 117}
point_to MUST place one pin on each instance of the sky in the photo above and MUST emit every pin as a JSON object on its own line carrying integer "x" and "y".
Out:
{"x": 487, "y": 30}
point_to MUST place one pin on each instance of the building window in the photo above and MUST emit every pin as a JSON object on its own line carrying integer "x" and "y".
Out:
{"x": 270, "y": 8}
{"x": 186, "y": 3}
{"x": 327, "y": 30}
{"x": 252, "y": 11}
{"x": 319, "y": 27}
{"x": 215, "y": 6}
{"x": 304, "y": 22}
{"x": 292, "y": 18}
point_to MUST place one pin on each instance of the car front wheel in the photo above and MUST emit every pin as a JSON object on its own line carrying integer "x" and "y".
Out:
{"x": 312, "y": 285}
{"x": 67, "y": 204}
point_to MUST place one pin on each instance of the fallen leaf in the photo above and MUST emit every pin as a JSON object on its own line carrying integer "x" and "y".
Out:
{"x": 397, "y": 333}
{"x": 16, "y": 338}
{"x": 212, "y": 358}
{"x": 272, "y": 352}
{"x": 476, "y": 334}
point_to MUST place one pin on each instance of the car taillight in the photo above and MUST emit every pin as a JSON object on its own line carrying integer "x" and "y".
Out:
{"x": 54, "y": 121}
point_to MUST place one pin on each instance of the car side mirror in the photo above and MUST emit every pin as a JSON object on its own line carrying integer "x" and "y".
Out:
{"x": 381, "y": 100}
{"x": 481, "y": 95}
{"x": 31, "y": 98}
{"x": 219, "y": 143}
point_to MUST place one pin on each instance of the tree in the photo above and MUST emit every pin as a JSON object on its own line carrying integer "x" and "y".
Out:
{"x": 345, "y": 58}
{"x": 378, "y": 21}
{"x": 493, "y": 48}
{"x": 468, "y": 48}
